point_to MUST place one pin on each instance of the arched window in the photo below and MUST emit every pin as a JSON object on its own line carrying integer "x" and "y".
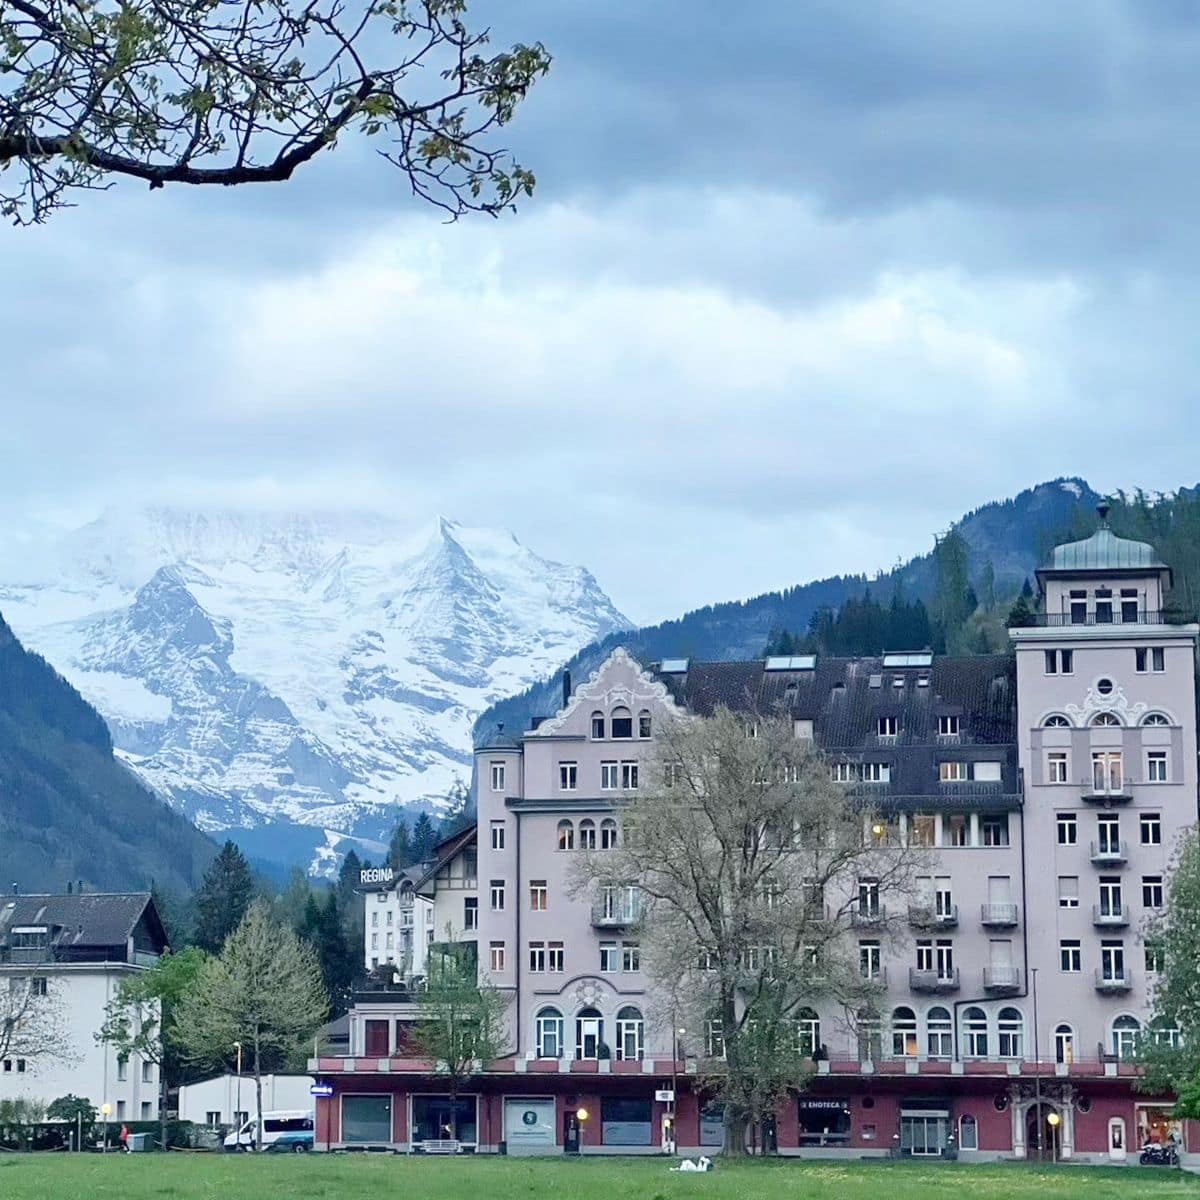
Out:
{"x": 644, "y": 725}
{"x": 622, "y": 722}
{"x": 1010, "y": 1033}
{"x": 968, "y": 1132}
{"x": 1155, "y": 718}
{"x": 1164, "y": 1033}
{"x": 975, "y": 1032}
{"x": 939, "y": 1029}
{"x": 904, "y": 1032}
{"x": 566, "y": 835}
{"x": 608, "y": 834}
{"x": 597, "y": 725}
{"x": 587, "y": 834}
{"x": 630, "y": 1032}
{"x": 549, "y": 1033}
{"x": 1064, "y": 1044}
{"x": 1125, "y": 1032}
{"x": 1056, "y": 721}
{"x": 589, "y": 1033}
{"x": 808, "y": 1032}
{"x": 1104, "y": 720}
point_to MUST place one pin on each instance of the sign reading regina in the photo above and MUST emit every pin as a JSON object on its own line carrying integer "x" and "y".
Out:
{"x": 376, "y": 875}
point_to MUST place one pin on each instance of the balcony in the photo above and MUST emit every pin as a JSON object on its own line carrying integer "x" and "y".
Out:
{"x": 1147, "y": 616}
{"x": 1110, "y": 854}
{"x": 1005, "y": 978}
{"x": 1107, "y": 796}
{"x": 1112, "y": 983}
{"x": 932, "y": 981}
{"x": 1110, "y": 916}
{"x": 868, "y": 918}
{"x": 926, "y": 916}
{"x": 998, "y": 916}
{"x": 616, "y": 913}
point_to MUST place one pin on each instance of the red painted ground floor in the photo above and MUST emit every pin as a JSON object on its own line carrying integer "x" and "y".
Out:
{"x": 979, "y": 1111}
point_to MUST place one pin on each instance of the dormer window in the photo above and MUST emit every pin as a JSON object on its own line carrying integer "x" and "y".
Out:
{"x": 622, "y": 723}
{"x": 948, "y": 726}
{"x": 888, "y": 727}
{"x": 598, "y": 725}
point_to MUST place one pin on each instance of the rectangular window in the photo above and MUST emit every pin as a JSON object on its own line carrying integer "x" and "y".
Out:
{"x": 993, "y": 828}
{"x": 470, "y": 913}
{"x": 1156, "y": 766}
{"x": 537, "y": 957}
{"x": 876, "y": 773}
{"x": 1112, "y": 961}
{"x": 629, "y": 776}
{"x": 609, "y": 776}
{"x": 1150, "y": 827}
{"x": 1070, "y": 956}
{"x": 554, "y": 957}
{"x": 374, "y": 941}
{"x": 924, "y": 956}
{"x": 1056, "y": 766}
{"x": 1110, "y": 895}
{"x": 952, "y": 772}
{"x": 956, "y": 830}
{"x": 948, "y": 726}
{"x": 1051, "y": 662}
{"x": 120, "y": 1103}
{"x": 496, "y": 958}
{"x": 122, "y": 1069}
{"x": 631, "y": 956}
{"x": 1068, "y": 891}
{"x": 568, "y": 776}
{"x": 145, "y": 1110}
{"x": 497, "y": 895}
{"x": 1152, "y": 891}
{"x": 1107, "y": 773}
{"x": 1108, "y": 830}
{"x": 1078, "y": 608}
{"x": 608, "y": 956}
{"x": 1158, "y": 660}
{"x": 945, "y": 958}
{"x": 803, "y": 729}
{"x": 1140, "y": 657}
{"x": 1129, "y": 605}
{"x": 1104, "y": 606}
{"x": 1155, "y": 957}
{"x": 497, "y": 835}
{"x": 869, "y": 963}
{"x": 497, "y": 777}
{"x": 922, "y": 829}
{"x": 889, "y": 727}
{"x": 868, "y": 897}
{"x": 147, "y": 1072}
{"x": 843, "y": 772}
{"x": 986, "y": 772}
{"x": 538, "y": 895}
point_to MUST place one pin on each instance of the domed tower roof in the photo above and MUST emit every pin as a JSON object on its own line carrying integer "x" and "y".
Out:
{"x": 1104, "y": 553}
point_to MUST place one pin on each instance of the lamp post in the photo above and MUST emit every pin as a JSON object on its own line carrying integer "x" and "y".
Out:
{"x": 1037, "y": 1065}
{"x": 105, "y": 1109}
{"x": 677, "y": 1034}
{"x": 237, "y": 1112}
{"x": 1053, "y": 1121}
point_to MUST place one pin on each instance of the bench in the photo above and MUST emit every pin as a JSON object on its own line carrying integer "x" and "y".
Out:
{"x": 440, "y": 1146}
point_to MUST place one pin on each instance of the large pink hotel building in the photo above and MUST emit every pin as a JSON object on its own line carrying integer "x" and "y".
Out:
{"x": 1051, "y": 784}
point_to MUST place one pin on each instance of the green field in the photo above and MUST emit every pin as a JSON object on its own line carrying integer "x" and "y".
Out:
{"x": 358, "y": 1177}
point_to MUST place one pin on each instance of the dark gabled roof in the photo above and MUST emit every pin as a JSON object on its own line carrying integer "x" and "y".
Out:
{"x": 82, "y": 919}
{"x": 444, "y": 852}
{"x": 838, "y": 696}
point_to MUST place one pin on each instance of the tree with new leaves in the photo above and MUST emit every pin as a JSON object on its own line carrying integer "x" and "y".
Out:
{"x": 138, "y": 1020}
{"x": 1170, "y": 1049}
{"x": 744, "y": 857}
{"x": 204, "y": 92}
{"x": 33, "y": 1021}
{"x": 460, "y": 1019}
{"x": 223, "y": 898}
{"x": 264, "y": 992}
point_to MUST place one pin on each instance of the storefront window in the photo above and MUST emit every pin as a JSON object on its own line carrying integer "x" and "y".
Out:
{"x": 923, "y": 1134}
{"x": 438, "y": 1118}
{"x": 366, "y": 1119}
{"x": 824, "y": 1122}
{"x": 712, "y": 1127}
{"x": 625, "y": 1122}
{"x": 1157, "y": 1126}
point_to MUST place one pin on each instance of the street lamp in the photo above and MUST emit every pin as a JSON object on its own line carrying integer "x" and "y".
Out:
{"x": 1053, "y": 1121}
{"x": 237, "y": 1112}
{"x": 678, "y": 1033}
{"x": 105, "y": 1109}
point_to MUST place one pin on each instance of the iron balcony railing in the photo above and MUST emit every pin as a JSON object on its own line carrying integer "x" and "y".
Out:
{"x": 1144, "y": 616}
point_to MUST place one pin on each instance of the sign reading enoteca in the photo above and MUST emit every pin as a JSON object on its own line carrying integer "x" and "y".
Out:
{"x": 376, "y": 875}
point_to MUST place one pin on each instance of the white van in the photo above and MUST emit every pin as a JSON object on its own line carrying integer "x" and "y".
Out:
{"x": 286, "y": 1131}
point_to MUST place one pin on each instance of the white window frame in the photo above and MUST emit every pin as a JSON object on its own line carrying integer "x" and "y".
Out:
{"x": 568, "y": 776}
{"x": 610, "y": 775}
{"x": 1058, "y": 766}
{"x": 498, "y": 774}
{"x": 1157, "y": 766}
{"x": 497, "y": 835}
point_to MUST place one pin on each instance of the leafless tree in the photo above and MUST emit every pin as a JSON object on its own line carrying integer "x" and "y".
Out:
{"x": 745, "y": 859}
{"x": 248, "y": 91}
{"x": 33, "y": 1020}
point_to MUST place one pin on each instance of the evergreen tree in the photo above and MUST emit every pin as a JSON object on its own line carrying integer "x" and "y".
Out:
{"x": 424, "y": 838}
{"x": 223, "y": 898}
{"x": 292, "y": 902}
{"x": 323, "y": 928}
{"x": 400, "y": 847}
{"x": 349, "y": 880}
{"x": 460, "y": 811}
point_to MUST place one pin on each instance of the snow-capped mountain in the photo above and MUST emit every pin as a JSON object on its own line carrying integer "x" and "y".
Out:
{"x": 289, "y": 676}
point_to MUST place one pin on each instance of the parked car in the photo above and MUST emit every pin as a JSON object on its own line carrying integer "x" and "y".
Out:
{"x": 283, "y": 1132}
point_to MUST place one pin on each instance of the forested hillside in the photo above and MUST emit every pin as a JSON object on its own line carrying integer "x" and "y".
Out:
{"x": 955, "y": 598}
{"x": 68, "y": 809}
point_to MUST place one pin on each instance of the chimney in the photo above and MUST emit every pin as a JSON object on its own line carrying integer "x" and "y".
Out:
{"x": 1102, "y": 510}
{"x": 79, "y": 887}
{"x": 566, "y": 688}
{"x": 14, "y": 889}
{"x": 68, "y": 887}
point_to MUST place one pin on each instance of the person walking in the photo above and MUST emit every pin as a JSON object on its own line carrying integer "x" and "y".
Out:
{"x": 123, "y": 1138}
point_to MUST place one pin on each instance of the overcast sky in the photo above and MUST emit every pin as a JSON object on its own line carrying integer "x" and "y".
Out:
{"x": 802, "y": 282}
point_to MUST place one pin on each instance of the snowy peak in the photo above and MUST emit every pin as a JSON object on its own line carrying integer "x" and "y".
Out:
{"x": 318, "y": 670}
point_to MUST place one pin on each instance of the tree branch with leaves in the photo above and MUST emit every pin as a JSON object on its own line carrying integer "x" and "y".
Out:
{"x": 33, "y": 1021}
{"x": 228, "y": 92}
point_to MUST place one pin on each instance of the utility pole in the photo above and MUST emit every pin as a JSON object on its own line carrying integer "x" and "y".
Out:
{"x": 1037, "y": 1067}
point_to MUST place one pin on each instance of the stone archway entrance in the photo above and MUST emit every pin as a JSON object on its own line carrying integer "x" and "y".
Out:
{"x": 1040, "y": 1132}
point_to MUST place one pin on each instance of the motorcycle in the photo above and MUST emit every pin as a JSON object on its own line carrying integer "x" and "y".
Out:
{"x": 1159, "y": 1154}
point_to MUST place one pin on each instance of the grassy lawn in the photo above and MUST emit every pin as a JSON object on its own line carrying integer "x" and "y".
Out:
{"x": 347, "y": 1177}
